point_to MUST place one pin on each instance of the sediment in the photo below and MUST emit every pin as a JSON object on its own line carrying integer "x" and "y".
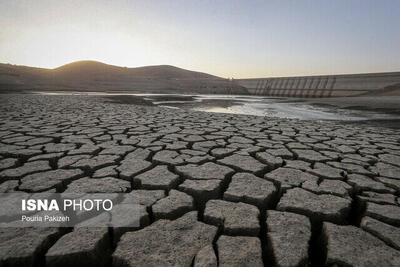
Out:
{"x": 216, "y": 189}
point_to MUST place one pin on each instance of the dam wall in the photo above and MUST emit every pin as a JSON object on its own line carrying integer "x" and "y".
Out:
{"x": 321, "y": 85}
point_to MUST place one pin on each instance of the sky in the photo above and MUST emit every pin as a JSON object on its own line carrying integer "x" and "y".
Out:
{"x": 228, "y": 38}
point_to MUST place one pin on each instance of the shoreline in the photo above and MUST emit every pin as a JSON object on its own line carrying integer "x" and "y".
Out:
{"x": 384, "y": 104}
{"x": 389, "y": 105}
{"x": 369, "y": 104}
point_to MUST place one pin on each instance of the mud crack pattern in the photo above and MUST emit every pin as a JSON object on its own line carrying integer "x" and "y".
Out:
{"x": 215, "y": 189}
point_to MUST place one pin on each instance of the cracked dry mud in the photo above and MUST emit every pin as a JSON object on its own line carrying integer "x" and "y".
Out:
{"x": 213, "y": 189}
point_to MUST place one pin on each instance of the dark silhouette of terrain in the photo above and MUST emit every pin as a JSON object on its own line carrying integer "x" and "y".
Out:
{"x": 97, "y": 76}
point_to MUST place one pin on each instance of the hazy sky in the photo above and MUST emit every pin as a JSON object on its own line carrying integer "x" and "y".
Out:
{"x": 226, "y": 38}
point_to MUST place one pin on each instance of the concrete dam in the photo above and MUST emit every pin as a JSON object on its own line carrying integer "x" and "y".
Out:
{"x": 322, "y": 85}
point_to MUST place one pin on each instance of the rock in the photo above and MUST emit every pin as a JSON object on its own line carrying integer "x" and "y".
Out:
{"x": 390, "y": 159}
{"x": 388, "y": 145}
{"x": 294, "y": 145}
{"x": 170, "y": 157}
{"x": 206, "y": 258}
{"x": 202, "y": 190}
{"x": 193, "y": 138}
{"x": 143, "y": 197}
{"x": 361, "y": 182}
{"x": 151, "y": 246}
{"x": 243, "y": 163}
{"x": 386, "y": 170}
{"x": 11, "y": 209}
{"x": 7, "y": 163}
{"x": 77, "y": 139}
{"x": 129, "y": 168}
{"x": 204, "y": 171}
{"x": 102, "y": 185}
{"x": 304, "y": 139}
{"x": 331, "y": 154}
{"x": 288, "y": 235}
{"x": 81, "y": 247}
{"x": 85, "y": 149}
{"x": 280, "y": 152}
{"x": 351, "y": 246}
{"x": 117, "y": 150}
{"x": 240, "y": 139}
{"x": 247, "y": 188}
{"x": 42, "y": 181}
{"x": 96, "y": 162}
{"x": 193, "y": 156}
{"x": 378, "y": 198}
{"x": 271, "y": 161}
{"x": 192, "y": 152}
{"x": 387, "y": 233}
{"x": 69, "y": 160}
{"x": 60, "y": 147}
{"x": 334, "y": 187}
{"x": 288, "y": 177}
{"x": 345, "y": 149}
{"x": 35, "y": 141}
{"x": 170, "y": 129}
{"x": 205, "y": 145}
{"x": 280, "y": 137}
{"x": 309, "y": 155}
{"x": 150, "y": 142}
{"x": 245, "y": 150}
{"x": 239, "y": 251}
{"x": 8, "y": 186}
{"x": 49, "y": 156}
{"x": 138, "y": 154}
{"x": 27, "y": 168}
{"x": 393, "y": 183}
{"x": 157, "y": 178}
{"x": 357, "y": 157}
{"x": 106, "y": 172}
{"x": 24, "y": 246}
{"x": 102, "y": 138}
{"x": 357, "y": 162}
{"x": 298, "y": 164}
{"x": 317, "y": 207}
{"x": 173, "y": 206}
{"x": 369, "y": 151}
{"x": 222, "y": 152}
{"x": 18, "y": 151}
{"x": 327, "y": 172}
{"x": 386, "y": 213}
{"x": 128, "y": 217}
{"x": 350, "y": 168}
{"x": 235, "y": 218}
{"x": 177, "y": 145}
{"x": 16, "y": 139}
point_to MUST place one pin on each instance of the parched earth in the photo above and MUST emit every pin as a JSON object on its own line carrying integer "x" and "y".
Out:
{"x": 215, "y": 189}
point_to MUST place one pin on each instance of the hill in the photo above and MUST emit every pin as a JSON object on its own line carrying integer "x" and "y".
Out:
{"x": 97, "y": 76}
{"x": 91, "y": 69}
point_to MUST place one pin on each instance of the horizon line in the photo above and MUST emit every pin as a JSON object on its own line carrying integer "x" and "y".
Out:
{"x": 242, "y": 78}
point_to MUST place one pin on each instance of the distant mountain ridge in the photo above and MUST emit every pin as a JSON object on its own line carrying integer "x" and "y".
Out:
{"x": 93, "y": 75}
{"x": 88, "y": 67}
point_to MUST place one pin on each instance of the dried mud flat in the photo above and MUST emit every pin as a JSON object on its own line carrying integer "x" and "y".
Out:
{"x": 216, "y": 189}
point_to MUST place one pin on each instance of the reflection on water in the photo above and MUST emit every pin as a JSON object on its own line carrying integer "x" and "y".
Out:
{"x": 249, "y": 105}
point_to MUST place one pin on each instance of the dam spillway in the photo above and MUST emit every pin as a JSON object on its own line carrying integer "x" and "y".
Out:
{"x": 321, "y": 85}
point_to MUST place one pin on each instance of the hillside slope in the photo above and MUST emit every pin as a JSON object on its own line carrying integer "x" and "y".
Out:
{"x": 97, "y": 76}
